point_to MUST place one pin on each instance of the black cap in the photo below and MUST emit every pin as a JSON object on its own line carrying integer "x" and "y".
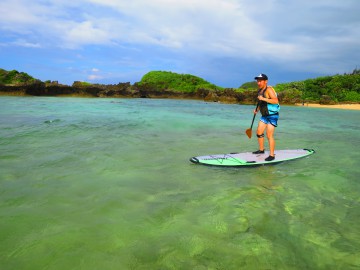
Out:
{"x": 261, "y": 76}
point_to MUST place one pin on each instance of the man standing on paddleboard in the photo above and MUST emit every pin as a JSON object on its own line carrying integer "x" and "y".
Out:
{"x": 269, "y": 107}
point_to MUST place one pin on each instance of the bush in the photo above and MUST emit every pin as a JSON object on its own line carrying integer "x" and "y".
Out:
{"x": 15, "y": 77}
{"x": 329, "y": 89}
{"x": 165, "y": 80}
{"x": 352, "y": 96}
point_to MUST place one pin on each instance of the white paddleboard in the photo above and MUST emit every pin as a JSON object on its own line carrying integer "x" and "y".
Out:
{"x": 250, "y": 159}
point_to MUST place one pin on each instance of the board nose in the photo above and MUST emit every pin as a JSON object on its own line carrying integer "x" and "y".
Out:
{"x": 194, "y": 160}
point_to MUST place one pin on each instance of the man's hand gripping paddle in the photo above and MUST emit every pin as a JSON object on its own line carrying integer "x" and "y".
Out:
{"x": 249, "y": 130}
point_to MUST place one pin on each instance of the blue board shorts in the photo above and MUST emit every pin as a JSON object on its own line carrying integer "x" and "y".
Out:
{"x": 270, "y": 119}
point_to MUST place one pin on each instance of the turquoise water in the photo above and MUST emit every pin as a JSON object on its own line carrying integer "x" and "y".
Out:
{"x": 107, "y": 184}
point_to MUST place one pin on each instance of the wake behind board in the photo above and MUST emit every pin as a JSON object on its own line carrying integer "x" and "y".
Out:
{"x": 250, "y": 159}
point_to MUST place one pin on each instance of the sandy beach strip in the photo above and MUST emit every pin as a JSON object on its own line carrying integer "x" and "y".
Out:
{"x": 337, "y": 106}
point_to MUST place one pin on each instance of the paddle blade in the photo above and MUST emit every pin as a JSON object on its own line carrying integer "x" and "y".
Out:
{"x": 249, "y": 132}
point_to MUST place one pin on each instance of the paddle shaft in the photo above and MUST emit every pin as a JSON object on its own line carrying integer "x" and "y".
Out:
{"x": 252, "y": 123}
{"x": 249, "y": 130}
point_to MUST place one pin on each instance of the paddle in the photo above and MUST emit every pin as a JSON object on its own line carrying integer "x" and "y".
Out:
{"x": 249, "y": 130}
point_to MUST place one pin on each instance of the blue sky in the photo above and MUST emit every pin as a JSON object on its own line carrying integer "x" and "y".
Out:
{"x": 226, "y": 42}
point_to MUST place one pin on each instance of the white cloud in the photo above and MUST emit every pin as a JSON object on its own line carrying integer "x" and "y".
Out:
{"x": 85, "y": 33}
{"x": 201, "y": 24}
{"x": 227, "y": 27}
{"x": 24, "y": 43}
{"x": 294, "y": 33}
{"x": 94, "y": 77}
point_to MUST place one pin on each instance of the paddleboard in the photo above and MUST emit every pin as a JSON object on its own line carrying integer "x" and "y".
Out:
{"x": 250, "y": 159}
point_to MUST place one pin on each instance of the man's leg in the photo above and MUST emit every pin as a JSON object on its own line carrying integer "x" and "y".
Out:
{"x": 260, "y": 134}
{"x": 270, "y": 129}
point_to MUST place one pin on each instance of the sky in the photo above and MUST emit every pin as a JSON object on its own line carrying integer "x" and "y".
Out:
{"x": 226, "y": 42}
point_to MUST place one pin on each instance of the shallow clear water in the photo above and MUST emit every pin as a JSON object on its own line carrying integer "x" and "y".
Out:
{"x": 107, "y": 184}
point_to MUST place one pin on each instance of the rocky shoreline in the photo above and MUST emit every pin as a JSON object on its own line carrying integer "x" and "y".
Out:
{"x": 126, "y": 90}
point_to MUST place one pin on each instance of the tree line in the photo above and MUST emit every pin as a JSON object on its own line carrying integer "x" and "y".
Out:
{"x": 326, "y": 90}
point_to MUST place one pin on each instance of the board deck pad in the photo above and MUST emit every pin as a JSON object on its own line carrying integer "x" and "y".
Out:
{"x": 250, "y": 159}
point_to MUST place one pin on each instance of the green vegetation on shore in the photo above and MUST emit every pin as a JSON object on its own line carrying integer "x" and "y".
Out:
{"x": 166, "y": 80}
{"x": 325, "y": 90}
{"x": 15, "y": 77}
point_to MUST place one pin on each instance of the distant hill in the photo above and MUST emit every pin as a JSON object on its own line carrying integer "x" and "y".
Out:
{"x": 249, "y": 85}
{"x": 166, "y": 80}
{"x": 14, "y": 77}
